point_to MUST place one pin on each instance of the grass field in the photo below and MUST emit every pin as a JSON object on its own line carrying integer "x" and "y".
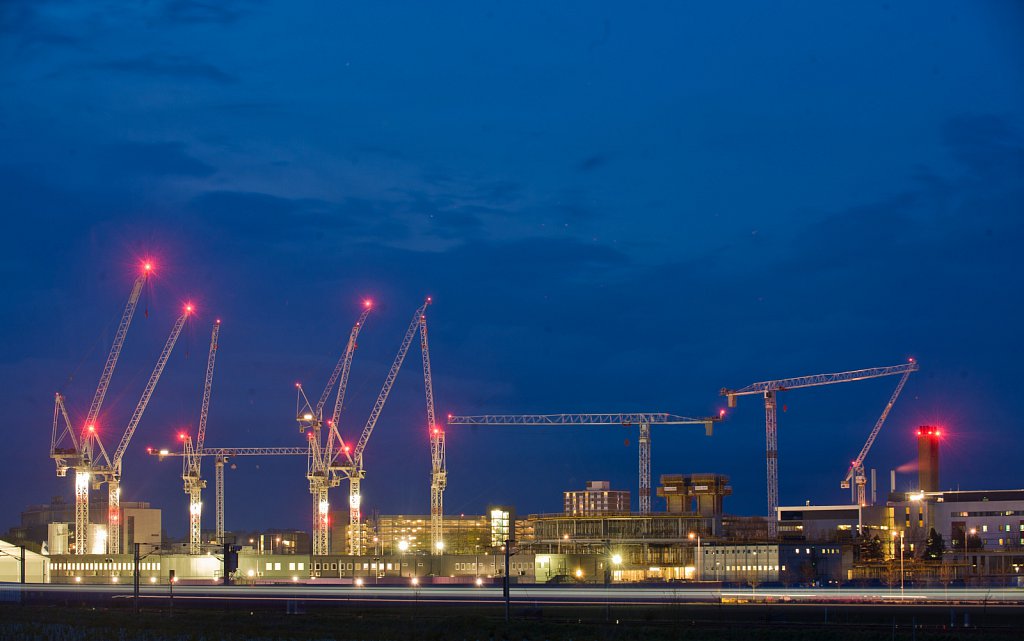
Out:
{"x": 70, "y": 622}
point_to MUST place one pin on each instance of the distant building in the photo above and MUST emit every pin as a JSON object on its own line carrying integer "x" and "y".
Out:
{"x": 461, "y": 534}
{"x": 598, "y": 498}
{"x": 140, "y": 523}
{"x": 788, "y": 563}
{"x": 832, "y": 523}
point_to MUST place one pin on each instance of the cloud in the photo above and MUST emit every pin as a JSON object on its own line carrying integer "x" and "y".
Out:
{"x": 155, "y": 158}
{"x": 181, "y": 67}
{"x": 199, "y": 12}
{"x": 276, "y": 219}
{"x": 987, "y": 144}
{"x": 21, "y": 20}
{"x": 593, "y": 162}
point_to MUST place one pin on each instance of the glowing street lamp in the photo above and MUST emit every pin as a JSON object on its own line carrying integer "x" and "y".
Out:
{"x": 894, "y": 534}
{"x": 699, "y": 560}
{"x": 403, "y": 547}
{"x": 972, "y": 532}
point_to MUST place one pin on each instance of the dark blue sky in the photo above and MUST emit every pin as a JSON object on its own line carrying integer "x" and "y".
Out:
{"x": 614, "y": 208}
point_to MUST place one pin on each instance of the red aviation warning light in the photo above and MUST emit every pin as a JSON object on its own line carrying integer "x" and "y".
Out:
{"x": 182, "y": 436}
{"x": 91, "y": 428}
{"x": 147, "y": 266}
{"x": 367, "y": 303}
{"x": 188, "y": 308}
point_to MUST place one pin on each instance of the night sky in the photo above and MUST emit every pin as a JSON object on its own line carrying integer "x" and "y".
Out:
{"x": 615, "y": 209}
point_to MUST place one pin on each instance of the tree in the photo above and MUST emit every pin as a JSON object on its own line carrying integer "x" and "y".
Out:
{"x": 974, "y": 542}
{"x": 891, "y": 574}
{"x": 933, "y": 546}
{"x": 871, "y": 549}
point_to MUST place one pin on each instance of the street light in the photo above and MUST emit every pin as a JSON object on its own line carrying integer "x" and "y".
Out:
{"x": 403, "y": 547}
{"x": 972, "y": 532}
{"x": 699, "y": 561}
{"x": 901, "y": 558}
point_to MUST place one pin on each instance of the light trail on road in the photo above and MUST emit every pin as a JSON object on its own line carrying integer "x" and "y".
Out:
{"x": 565, "y": 595}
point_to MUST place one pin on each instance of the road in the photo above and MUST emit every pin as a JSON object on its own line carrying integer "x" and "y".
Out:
{"x": 489, "y": 595}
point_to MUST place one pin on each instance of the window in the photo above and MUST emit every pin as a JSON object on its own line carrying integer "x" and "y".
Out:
{"x": 277, "y": 566}
{"x": 984, "y": 528}
{"x": 334, "y": 566}
{"x": 270, "y": 565}
{"x": 302, "y": 566}
{"x": 291, "y": 566}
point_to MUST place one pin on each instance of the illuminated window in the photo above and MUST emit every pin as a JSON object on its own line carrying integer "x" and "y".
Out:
{"x": 270, "y": 565}
{"x": 302, "y": 566}
{"x": 277, "y": 566}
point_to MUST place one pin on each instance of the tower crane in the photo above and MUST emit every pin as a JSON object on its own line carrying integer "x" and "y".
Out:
{"x": 348, "y": 461}
{"x": 438, "y": 472}
{"x": 111, "y": 472}
{"x": 71, "y": 449}
{"x": 769, "y": 389}
{"x": 221, "y": 456}
{"x": 643, "y": 419}
{"x": 318, "y": 471}
{"x": 856, "y": 471}
{"x": 191, "y": 473}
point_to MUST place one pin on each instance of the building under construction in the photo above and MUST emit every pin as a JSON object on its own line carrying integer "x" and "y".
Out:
{"x": 687, "y": 536}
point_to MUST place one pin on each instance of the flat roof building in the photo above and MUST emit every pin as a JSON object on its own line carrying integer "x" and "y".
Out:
{"x": 597, "y": 498}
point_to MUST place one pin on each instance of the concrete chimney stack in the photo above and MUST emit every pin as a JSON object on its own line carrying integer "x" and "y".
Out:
{"x": 928, "y": 458}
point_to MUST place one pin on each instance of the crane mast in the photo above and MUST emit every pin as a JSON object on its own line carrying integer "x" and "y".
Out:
{"x": 353, "y": 469}
{"x": 856, "y": 471}
{"x": 318, "y": 471}
{"x": 79, "y": 455}
{"x": 333, "y": 434}
{"x": 438, "y": 473}
{"x": 643, "y": 419}
{"x": 191, "y": 473}
{"x": 111, "y": 473}
{"x": 769, "y": 390}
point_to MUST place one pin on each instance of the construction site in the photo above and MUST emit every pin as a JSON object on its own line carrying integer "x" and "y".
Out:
{"x": 679, "y": 530}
